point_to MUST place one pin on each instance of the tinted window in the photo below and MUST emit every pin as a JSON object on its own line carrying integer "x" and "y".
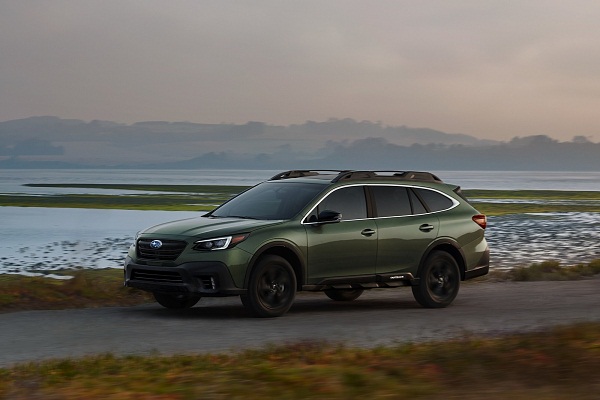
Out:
{"x": 417, "y": 206}
{"x": 270, "y": 200}
{"x": 391, "y": 201}
{"x": 434, "y": 200}
{"x": 349, "y": 201}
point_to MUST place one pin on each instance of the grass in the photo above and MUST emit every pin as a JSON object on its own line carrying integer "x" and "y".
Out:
{"x": 533, "y": 201}
{"x": 553, "y": 271}
{"x": 176, "y": 198}
{"x": 207, "y": 197}
{"x": 87, "y": 288}
{"x": 562, "y": 363}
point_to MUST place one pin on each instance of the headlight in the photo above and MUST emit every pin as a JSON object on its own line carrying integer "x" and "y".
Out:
{"x": 221, "y": 243}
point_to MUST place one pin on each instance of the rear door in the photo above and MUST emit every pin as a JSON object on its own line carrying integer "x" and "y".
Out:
{"x": 405, "y": 228}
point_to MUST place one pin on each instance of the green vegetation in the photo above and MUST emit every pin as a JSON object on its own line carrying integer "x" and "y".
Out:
{"x": 217, "y": 189}
{"x": 533, "y": 194}
{"x": 176, "y": 198}
{"x": 553, "y": 271}
{"x": 207, "y": 197}
{"x": 86, "y": 288}
{"x": 562, "y": 363}
{"x": 496, "y": 209}
{"x": 545, "y": 271}
{"x": 501, "y": 202}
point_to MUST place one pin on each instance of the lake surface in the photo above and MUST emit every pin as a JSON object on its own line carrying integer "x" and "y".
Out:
{"x": 42, "y": 240}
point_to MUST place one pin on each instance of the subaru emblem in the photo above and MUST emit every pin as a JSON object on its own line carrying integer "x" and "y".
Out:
{"x": 156, "y": 244}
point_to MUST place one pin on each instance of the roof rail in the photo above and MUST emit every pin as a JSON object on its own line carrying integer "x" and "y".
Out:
{"x": 298, "y": 173}
{"x": 349, "y": 175}
{"x": 399, "y": 175}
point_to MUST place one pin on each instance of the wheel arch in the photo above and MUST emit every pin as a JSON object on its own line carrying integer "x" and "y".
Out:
{"x": 285, "y": 250}
{"x": 449, "y": 246}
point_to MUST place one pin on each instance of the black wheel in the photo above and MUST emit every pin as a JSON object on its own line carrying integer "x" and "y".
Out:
{"x": 272, "y": 288}
{"x": 439, "y": 281}
{"x": 176, "y": 301}
{"x": 343, "y": 294}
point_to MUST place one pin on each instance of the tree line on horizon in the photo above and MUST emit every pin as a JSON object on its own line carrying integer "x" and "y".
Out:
{"x": 51, "y": 142}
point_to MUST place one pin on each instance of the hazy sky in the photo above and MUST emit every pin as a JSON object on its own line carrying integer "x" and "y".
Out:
{"x": 492, "y": 69}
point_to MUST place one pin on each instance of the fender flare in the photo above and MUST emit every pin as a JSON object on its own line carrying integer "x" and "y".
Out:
{"x": 299, "y": 264}
{"x": 444, "y": 243}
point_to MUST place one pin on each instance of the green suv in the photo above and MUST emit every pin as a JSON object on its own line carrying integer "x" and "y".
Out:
{"x": 340, "y": 232}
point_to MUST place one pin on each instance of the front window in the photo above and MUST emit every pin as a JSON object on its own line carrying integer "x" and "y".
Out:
{"x": 349, "y": 201}
{"x": 270, "y": 201}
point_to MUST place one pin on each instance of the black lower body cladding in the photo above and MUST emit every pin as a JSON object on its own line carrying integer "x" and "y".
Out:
{"x": 203, "y": 278}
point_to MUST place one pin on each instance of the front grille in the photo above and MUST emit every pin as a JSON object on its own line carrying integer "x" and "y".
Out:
{"x": 147, "y": 275}
{"x": 169, "y": 251}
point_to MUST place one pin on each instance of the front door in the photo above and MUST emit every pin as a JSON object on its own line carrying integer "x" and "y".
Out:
{"x": 346, "y": 248}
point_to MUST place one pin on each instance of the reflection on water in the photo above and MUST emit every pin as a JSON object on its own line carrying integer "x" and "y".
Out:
{"x": 521, "y": 239}
{"x": 49, "y": 239}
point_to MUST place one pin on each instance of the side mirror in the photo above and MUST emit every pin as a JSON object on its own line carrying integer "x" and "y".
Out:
{"x": 328, "y": 217}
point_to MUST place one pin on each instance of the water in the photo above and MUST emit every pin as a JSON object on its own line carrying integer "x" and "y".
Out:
{"x": 42, "y": 240}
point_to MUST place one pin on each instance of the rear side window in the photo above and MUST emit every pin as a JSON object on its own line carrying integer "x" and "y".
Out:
{"x": 435, "y": 201}
{"x": 417, "y": 205}
{"x": 391, "y": 201}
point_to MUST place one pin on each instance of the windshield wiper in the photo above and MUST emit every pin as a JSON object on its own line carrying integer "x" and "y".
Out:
{"x": 240, "y": 217}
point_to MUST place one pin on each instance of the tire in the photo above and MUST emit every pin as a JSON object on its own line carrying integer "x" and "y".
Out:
{"x": 176, "y": 301}
{"x": 344, "y": 294}
{"x": 272, "y": 288}
{"x": 439, "y": 281}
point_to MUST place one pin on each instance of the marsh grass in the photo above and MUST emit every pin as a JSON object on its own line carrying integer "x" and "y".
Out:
{"x": 87, "y": 288}
{"x": 562, "y": 363}
{"x": 540, "y": 201}
{"x": 207, "y": 197}
{"x": 166, "y": 197}
{"x": 553, "y": 271}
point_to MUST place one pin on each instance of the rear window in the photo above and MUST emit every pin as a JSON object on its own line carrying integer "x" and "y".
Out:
{"x": 435, "y": 201}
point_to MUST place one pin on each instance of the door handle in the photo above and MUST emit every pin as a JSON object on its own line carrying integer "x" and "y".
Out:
{"x": 426, "y": 228}
{"x": 367, "y": 232}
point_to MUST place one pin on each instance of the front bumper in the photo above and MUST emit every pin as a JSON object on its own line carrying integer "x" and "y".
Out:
{"x": 203, "y": 278}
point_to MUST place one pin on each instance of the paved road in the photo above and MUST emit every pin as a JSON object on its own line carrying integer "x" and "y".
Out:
{"x": 379, "y": 317}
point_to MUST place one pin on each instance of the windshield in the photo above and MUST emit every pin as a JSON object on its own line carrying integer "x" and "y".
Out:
{"x": 270, "y": 201}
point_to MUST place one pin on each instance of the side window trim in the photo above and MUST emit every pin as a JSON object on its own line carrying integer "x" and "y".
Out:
{"x": 367, "y": 202}
{"x": 372, "y": 206}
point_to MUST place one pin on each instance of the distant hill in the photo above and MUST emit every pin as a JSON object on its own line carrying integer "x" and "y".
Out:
{"x": 52, "y": 142}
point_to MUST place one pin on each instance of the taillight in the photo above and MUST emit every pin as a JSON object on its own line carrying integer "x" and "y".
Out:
{"x": 480, "y": 220}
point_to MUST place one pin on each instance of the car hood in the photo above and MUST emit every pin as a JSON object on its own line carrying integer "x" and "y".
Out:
{"x": 205, "y": 227}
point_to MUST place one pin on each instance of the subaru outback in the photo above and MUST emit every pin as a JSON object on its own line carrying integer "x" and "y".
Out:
{"x": 339, "y": 232}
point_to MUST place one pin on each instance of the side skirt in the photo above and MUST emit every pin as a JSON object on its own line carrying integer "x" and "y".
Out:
{"x": 390, "y": 280}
